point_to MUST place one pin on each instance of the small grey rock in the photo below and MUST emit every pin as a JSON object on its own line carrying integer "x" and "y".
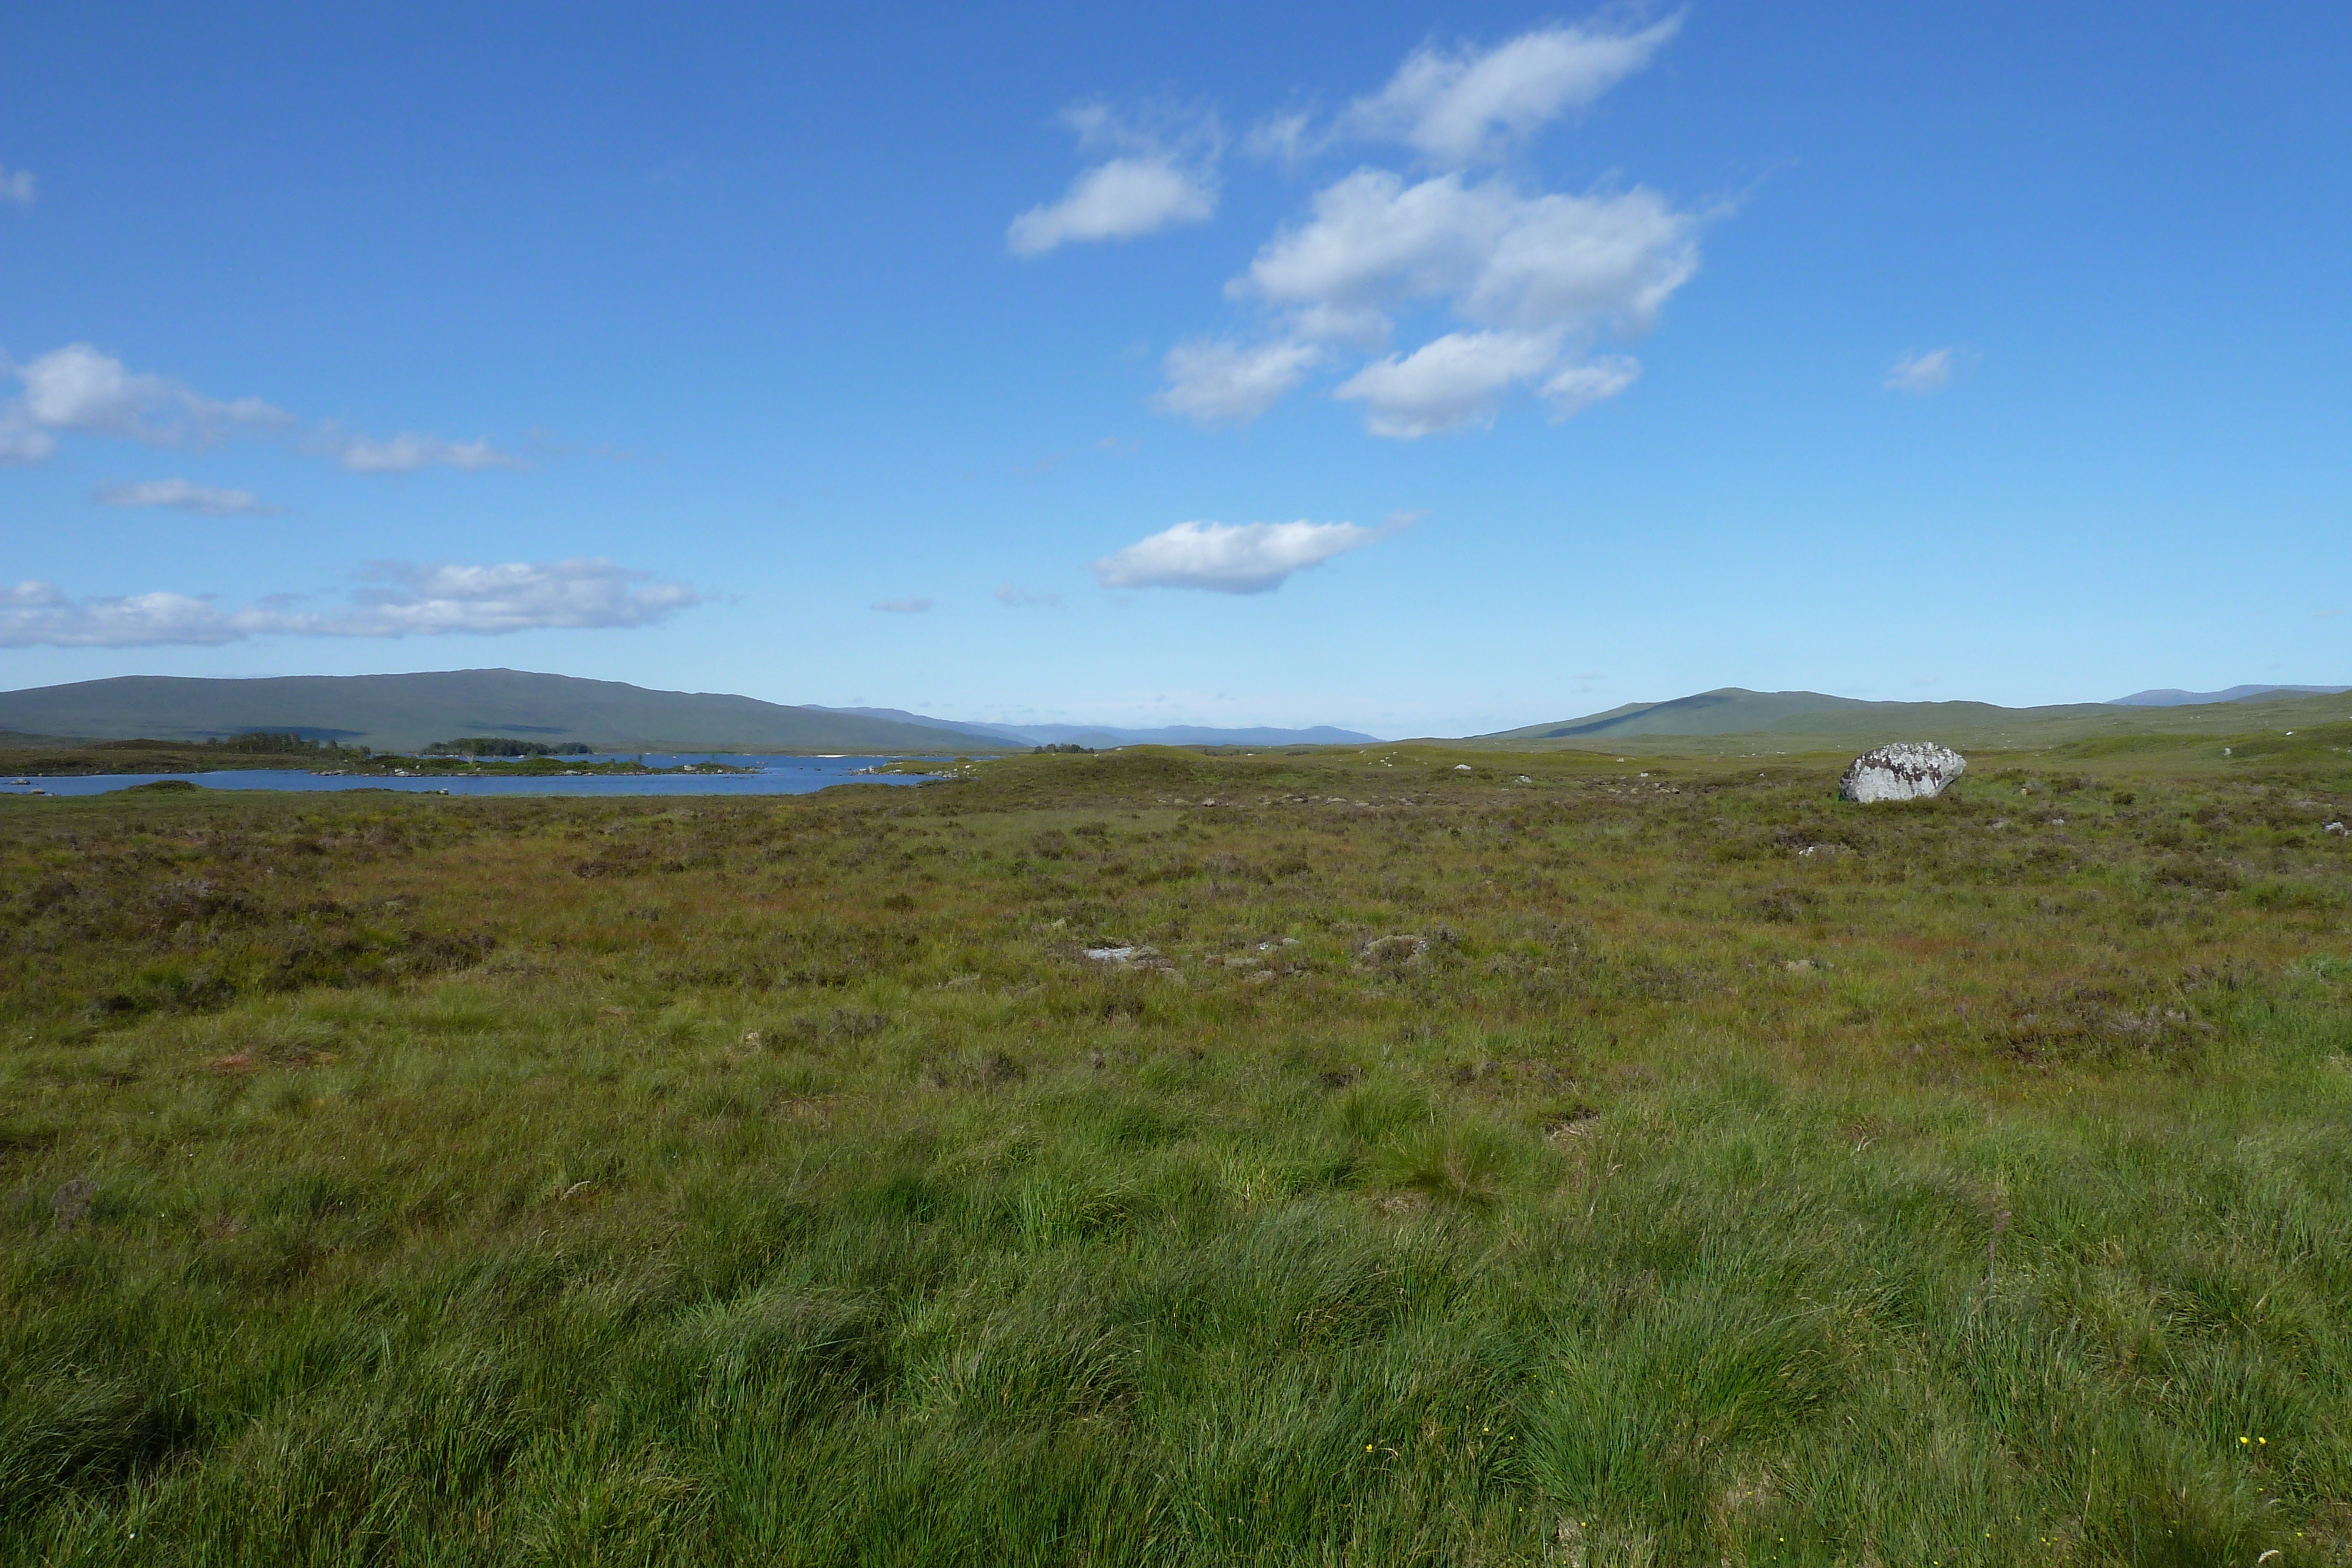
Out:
{"x": 1908, "y": 770}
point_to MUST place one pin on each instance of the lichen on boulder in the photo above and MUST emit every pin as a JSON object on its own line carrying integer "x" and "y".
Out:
{"x": 1908, "y": 770}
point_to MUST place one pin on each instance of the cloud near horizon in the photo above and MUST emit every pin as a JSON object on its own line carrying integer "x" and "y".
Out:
{"x": 83, "y": 390}
{"x": 184, "y": 496}
{"x": 394, "y": 598}
{"x": 1533, "y": 279}
{"x": 1234, "y": 558}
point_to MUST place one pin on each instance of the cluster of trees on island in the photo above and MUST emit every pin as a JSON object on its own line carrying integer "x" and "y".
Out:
{"x": 501, "y": 745}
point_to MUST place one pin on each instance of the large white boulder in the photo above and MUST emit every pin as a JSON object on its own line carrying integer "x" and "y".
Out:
{"x": 1908, "y": 770}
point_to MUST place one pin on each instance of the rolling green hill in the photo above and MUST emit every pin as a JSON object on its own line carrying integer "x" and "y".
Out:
{"x": 1733, "y": 719}
{"x": 404, "y": 711}
{"x": 1733, "y": 710}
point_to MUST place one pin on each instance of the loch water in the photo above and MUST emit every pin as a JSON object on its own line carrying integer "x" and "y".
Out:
{"x": 771, "y": 776}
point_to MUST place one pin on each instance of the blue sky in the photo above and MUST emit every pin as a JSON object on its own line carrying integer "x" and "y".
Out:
{"x": 1422, "y": 370}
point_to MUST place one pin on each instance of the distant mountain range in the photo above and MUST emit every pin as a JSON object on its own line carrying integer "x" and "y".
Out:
{"x": 400, "y": 713}
{"x": 2173, "y": 698}
{"x": 1099, "y": 736}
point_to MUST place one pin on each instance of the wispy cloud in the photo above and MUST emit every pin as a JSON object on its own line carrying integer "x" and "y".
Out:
{"x": 902, "y": 606}
{"x": 180, "y": 495}
{"x": 1920, "y": 374}
{"x": 16, "y": 185}
{"x": 1234, "y": 558}
{"x": 83, "y": 390}
{"x": 1160, "y": 177}
{"x": 409, "y": 452}
{"x": 392, "y": 599}
{"x": 1013, "y": 598}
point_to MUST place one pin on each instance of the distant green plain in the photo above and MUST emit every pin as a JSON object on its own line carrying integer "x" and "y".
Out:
{"x": 1477, "y": 1159}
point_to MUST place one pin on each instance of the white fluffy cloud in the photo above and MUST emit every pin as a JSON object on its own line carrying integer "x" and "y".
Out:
{"x": 1467, "y": 104}
{"x": 396, "y": 599}
{"x": 84, "y": 389}
{"x": 180, "y": 495}
{"x": 1224, "y": 383}
{"x": 1233, "y": 558}
{"x": 1534, "y": 280}
{"x": 78, "y": 388}
{"x": 1920, "y": 373}
{"x": 1447, "y": 383}
{"x": 16, "y": 185}
{"x": 1122, "y": 198}
{"x": 1541, "y": 277}
{"x": 1164, "y": 173}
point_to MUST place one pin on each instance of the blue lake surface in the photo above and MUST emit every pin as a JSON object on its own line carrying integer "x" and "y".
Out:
{"x": 776, "y": 776}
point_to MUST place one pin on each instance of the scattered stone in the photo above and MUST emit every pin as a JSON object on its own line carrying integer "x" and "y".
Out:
{"x": 2335, "y": 827}
{"x": 1131, "y": 959}
{"x": 1461, "y": 767}
{"x": 1399, "y": 949}
{"x": 1908, "y": 770}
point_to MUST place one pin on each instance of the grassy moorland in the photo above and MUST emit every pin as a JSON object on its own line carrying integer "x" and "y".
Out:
{"x": 1536, "y": 1163}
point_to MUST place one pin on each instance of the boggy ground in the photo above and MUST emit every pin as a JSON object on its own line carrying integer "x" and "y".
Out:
{"x": 1540, "y": 1163}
